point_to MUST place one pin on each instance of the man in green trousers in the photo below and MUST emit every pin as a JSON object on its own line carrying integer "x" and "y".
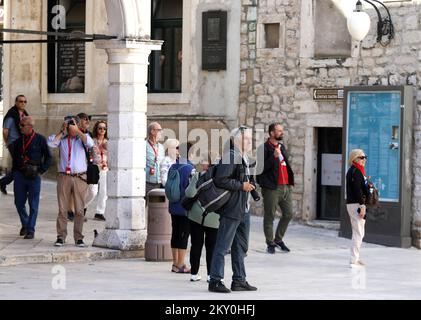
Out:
{"x": 276, "y": 179}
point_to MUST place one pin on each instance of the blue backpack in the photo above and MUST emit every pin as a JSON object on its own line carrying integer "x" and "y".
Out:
{"x": 173, "y": 186}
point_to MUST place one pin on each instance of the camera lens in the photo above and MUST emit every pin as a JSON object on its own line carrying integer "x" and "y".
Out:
{"x": 255, "y": 195}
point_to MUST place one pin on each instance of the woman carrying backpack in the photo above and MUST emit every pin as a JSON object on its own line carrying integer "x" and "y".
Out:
{"x": 203, "y": 229}
{"x": 356, "y": 194}
{"x": 177, "y": 182}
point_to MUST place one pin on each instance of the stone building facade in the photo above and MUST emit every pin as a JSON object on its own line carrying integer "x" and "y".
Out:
{"x": 278, "y": 51}
{"x": 277, "y": 82}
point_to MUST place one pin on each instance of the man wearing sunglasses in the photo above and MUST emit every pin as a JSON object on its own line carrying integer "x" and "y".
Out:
{"x": 11, "y": 132}
{"x": 155, "y": 153}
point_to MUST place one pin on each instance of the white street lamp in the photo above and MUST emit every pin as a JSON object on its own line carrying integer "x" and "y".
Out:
{"x": 358, "y": 23}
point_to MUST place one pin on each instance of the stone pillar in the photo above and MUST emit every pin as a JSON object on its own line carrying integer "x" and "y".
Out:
{"x": 127, "y": 105}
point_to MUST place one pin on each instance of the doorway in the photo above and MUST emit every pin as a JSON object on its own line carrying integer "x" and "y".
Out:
{"x": 329, "y": 180}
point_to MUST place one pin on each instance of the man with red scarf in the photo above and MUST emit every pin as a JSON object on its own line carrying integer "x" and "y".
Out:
{"x": 31, "y": 158}
{"x": 276, "y": 180}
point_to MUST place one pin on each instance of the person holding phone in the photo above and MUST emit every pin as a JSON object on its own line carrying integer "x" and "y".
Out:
{"x": 356, "y": 195}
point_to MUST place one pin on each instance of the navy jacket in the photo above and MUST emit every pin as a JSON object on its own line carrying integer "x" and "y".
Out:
{"x": 356, "y": 187}
{"x": 176, "y": 208}
{"x": 38, "y": 153}
{"x": 268, "y": 178}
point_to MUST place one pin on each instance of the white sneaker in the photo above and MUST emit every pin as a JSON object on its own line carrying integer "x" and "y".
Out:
{"x": 195, "y": 277}
{"x": 208, "y": 279}
{"x": 357, "y": 264}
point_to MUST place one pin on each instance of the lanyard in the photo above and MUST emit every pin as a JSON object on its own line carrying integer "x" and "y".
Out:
{"x": 154, "y": 151}
{"x": 26, "y": 145}
{"x": 69, "y": 151}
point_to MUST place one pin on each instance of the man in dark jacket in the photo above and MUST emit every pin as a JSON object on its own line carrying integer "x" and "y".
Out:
{"x": 31, "y": 157}
{"x": 276, "y": 179}
{"x": 234, "y": 224}
{"x": 11, "y": 132}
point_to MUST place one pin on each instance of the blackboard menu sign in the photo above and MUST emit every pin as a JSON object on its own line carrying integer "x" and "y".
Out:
{"x": 214, "y": 40}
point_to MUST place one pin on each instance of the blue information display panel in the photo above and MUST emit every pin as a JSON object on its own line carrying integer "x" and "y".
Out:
{"x": 374, "y": 119}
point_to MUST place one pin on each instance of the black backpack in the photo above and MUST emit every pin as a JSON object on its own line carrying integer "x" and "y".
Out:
{"x": 210, "y": 197}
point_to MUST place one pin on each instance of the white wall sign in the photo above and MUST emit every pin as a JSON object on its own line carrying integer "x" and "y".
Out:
{"x": 331, "y": 169}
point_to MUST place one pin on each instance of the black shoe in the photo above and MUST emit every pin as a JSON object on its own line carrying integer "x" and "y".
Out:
{"x": 84, "y": 211}
{"x": 29, "y": 235}
{"x": 218, "y": 286}
{"x": 3, "y": 189}
{"x": 59, "y": 242}
{"x": 70, "y": 216}
{"x": 99, "y": 216}
{"x": 271, "y": 248}
{"x": 242, "y": 286}
{"x": 281, "y": 245}
{"x": 80, "y": 243}
{"x": 22, "y": 231}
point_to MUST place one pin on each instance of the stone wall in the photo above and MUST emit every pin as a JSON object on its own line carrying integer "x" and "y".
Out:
{"x": 277, "y": 84}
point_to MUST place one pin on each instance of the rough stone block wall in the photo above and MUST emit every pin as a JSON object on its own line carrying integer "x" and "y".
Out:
{"x": 278, "y": 84}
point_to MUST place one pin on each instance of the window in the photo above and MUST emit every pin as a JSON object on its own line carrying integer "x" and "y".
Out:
{"x": 272, "y": 35}
{"x": 165, "y": 65}
{"x": 66, "y": 60}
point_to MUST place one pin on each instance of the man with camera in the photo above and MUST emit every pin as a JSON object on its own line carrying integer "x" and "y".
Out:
{"x": 83, "y": 124}
{"x": 71, "y": 181}
{"x": 276, "y": 179}
{"x": 11, "y": 132}
{"x": 234, "y": 225}
{"x": 31, "y": 158}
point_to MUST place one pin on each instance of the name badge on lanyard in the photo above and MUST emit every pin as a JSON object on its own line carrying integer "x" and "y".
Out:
{"x": 152, "y": 169}
{"x": 69, "y": 155}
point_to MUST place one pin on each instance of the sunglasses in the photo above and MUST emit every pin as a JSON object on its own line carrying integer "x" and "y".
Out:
{"x": 363, "y": 157}
{"x": 22, "y": 101}
{"x": 102, "y": 128}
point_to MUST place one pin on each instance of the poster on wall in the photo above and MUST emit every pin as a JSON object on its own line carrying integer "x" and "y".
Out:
{"x": 374, "y": 125}
{"x": 331, "y": 169}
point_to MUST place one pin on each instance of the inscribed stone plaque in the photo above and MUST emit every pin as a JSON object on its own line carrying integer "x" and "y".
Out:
{"x": 214, "y": 40}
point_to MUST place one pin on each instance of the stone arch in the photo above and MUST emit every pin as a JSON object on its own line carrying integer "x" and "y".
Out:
{"x": 128, "y": 19}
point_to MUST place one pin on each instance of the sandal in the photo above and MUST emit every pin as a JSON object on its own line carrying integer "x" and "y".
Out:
{"x": 174, "y": 268}
{"x": 183, "y": 269}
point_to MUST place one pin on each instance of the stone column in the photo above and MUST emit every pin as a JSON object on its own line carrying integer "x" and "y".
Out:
{"x": 127, "y": 105}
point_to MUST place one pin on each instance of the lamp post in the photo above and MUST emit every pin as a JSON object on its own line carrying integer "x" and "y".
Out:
{"x": 358, "y": 23}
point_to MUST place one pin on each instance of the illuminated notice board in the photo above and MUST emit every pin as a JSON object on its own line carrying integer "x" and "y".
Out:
{"x": 374, "y": 119}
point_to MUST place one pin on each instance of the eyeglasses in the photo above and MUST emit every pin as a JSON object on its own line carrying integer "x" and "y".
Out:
{"x": 159, "y": 129}
{"x": 363, "y": 157}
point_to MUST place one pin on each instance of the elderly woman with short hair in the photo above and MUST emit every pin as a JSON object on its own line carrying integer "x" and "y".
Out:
{"x": 356, "y": 195}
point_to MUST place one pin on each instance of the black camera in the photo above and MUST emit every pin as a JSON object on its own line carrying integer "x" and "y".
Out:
{"x": 255, "y": 195}
{"x": 70, "y": 120}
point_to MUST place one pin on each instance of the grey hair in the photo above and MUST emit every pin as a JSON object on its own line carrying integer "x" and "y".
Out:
{"x": 151, "y": 126}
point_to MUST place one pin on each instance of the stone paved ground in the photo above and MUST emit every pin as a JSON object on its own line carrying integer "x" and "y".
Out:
{"x": 316, "y": 268}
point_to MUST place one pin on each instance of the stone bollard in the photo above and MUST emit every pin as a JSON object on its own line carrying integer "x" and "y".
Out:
{"x": 158, "y": 241}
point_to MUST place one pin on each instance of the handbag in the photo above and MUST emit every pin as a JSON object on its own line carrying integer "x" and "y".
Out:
{"x": 92, "y": 171}
{"x": 92, "y": 174}
{"x": 30, "y": 171}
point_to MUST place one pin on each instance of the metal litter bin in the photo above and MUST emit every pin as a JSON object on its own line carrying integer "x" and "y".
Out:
{"x": 158, "y": 241}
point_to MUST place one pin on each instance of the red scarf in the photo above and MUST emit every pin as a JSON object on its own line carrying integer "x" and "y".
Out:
{"x": 360, "y": 167}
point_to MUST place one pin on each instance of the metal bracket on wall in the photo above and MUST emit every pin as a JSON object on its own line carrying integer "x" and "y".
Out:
{"x": 69, "y": 36}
